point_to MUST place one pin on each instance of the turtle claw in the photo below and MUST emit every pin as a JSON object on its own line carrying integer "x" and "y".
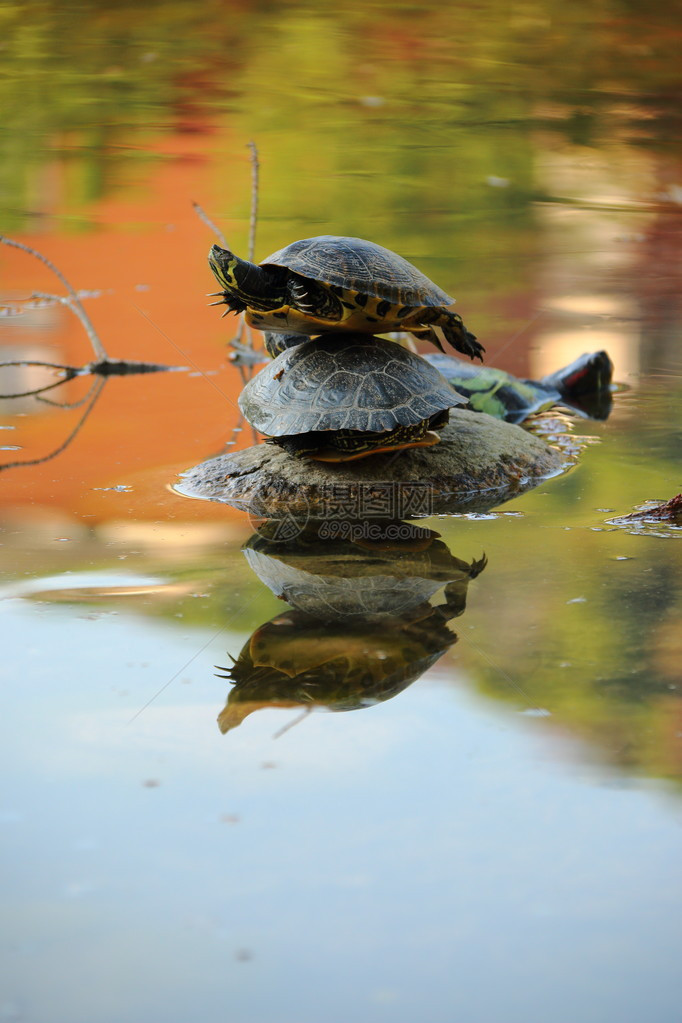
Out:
{"x": 462, "y": 339}
{"x": 234, "y": 304}
{"x": 447, "y": 328}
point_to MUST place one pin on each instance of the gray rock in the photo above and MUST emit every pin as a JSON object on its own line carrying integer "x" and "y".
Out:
{"x": 480, "y": 462}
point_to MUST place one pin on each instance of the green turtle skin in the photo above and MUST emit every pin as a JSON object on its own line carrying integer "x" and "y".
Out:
{"x": 584, "y": 387}
{"x": 336, "y": 283}
{"x": 336, "y": 398}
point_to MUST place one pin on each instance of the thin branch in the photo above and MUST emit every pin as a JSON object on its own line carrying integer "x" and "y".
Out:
{"x": 128, "y": 367}
{"x": 516, "y": 336}
{"x": 69, "y": 372}
{"x": 66, "y": 404}
{"x": 39, "y": 362}
{"x": 255, "y": 167}
{"x": 74, "y": 302}
{"x": 95, "y": 390}
{"x": 203, "y": 215}
{"x": 76, "y": 307}
{"x": 296, "y": 721}
{"x": 253, "y": 222}
{"x": 36, "y": 391}
{"x": 104, "y": 368}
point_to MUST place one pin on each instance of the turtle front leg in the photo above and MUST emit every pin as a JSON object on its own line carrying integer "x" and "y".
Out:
{"x": 314, "y": 299}
{"x": 452, "y": 329}
{"x": 230, "y": 299}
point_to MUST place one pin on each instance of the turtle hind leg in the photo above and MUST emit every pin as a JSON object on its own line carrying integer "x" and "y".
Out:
{"x": 449, "y": 326}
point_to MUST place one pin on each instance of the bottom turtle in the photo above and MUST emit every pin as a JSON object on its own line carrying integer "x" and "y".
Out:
{"x": 343, "y": 397}
{"x": 583, "y": 387}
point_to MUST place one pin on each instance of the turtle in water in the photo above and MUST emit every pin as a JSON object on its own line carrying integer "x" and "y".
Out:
{"x": 340, "y": 398}
{"x": 331, "y": 283}
{"x": 584, "y": 387}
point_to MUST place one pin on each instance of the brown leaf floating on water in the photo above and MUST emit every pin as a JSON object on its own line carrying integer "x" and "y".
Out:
{"x": 670, "y": 511}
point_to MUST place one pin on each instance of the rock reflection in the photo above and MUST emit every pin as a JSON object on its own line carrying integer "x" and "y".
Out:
{"x": 365, "y": 621}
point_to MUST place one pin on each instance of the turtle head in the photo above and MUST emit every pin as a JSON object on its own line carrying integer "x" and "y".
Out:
{"x": 223, "y": 263}
{"x": 255, "y": 286}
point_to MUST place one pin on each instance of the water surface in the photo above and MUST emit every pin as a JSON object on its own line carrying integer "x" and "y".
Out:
{"x": 496, "y": 837}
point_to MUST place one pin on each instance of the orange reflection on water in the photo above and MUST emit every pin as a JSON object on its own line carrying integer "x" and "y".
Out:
{"x": 147, "y": 258}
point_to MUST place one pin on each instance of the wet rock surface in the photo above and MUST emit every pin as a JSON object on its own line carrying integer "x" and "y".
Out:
{"x": 479, "y": 463}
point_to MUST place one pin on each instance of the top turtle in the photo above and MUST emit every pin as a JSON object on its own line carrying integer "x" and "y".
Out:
{"x": 330, "y": 283}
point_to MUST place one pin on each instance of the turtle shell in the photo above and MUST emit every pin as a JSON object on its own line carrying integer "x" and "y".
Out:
{"x": 354, "y": 382}
{"x": 358, "y": 265}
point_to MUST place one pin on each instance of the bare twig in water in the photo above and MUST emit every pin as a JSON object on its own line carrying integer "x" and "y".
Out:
{"x": 73, "y": 301}
{"x": 95, "y": 391}
{"x": 247, "y": 372}
{"x": 203, "y": 215}
{"x": 236, "y": 342}
{"x": 255, "y": 169}
{"x": 70, "y": 405}
{"x": 296, "y": 721}
{"x": 243, "y": 357}
{"x": 243, "y": 327}
{"x": 69, "y": 372}
{"x": 102, "y": 365}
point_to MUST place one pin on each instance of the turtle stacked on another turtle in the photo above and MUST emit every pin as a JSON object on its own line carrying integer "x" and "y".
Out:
{"x": 332, "y": 283}
{"x": 347, "y": 394}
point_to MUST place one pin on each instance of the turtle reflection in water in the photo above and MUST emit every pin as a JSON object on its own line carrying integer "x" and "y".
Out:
{"x": 362, "y": 628}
